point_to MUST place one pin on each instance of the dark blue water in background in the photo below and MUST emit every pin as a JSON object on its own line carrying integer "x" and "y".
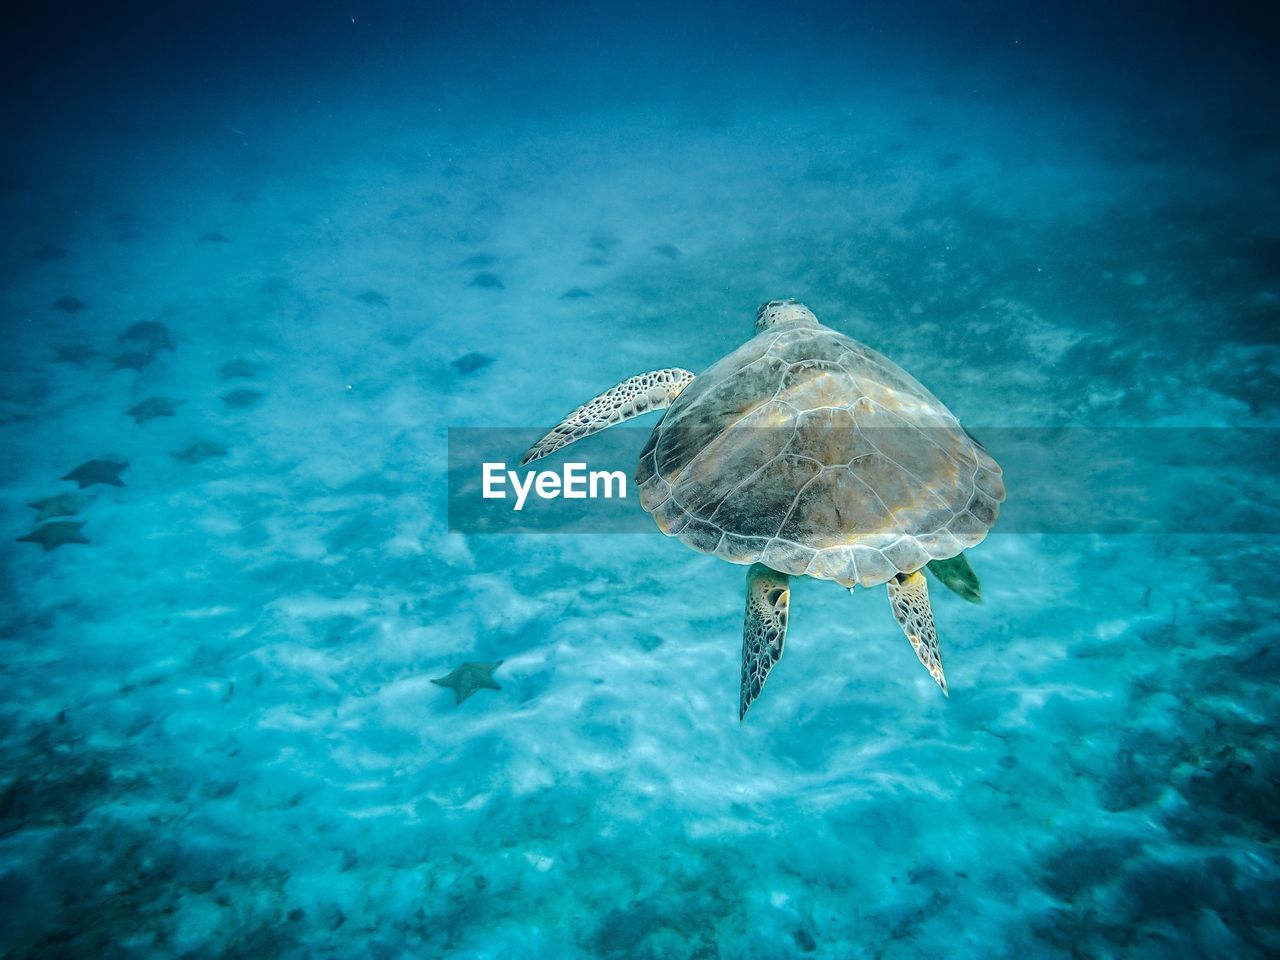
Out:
{"x": 302, "y": 241}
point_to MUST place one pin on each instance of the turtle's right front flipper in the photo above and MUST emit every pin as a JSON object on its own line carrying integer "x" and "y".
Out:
{"x": 764, "y": 629}
{"x": 649, "y": 391}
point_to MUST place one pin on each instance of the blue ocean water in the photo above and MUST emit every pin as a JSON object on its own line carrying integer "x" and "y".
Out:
{"x": 268, "y": 255}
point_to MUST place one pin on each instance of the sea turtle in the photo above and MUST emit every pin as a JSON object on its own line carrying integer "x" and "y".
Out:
{"x": 805, "y": 452}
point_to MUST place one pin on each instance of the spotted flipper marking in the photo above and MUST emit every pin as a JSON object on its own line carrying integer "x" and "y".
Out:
{"x": 649, "y": 391}
{"x": 909, "y": 597}
{"x": 764, "y": 629}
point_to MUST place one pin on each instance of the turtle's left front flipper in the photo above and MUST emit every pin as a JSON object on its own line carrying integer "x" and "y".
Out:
{"x": 764, "y": 629}
{"x": 655, "y": 390}
{"x": 909, "y": 597}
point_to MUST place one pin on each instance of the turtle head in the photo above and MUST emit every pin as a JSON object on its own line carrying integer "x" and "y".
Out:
{"x": 782, "y": 311}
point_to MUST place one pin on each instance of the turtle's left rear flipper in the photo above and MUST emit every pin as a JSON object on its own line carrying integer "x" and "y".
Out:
{"x": 764, "y": 629}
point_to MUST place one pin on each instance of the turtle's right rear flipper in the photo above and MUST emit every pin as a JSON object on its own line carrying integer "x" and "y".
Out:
{"x": 909, "y": 597}
{"x": 632, "y": 397}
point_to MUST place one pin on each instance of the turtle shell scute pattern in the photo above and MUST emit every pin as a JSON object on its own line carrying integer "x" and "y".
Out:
{"x": 812, "y": 453}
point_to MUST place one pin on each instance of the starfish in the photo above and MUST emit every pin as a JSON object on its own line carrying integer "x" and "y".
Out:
{"x": 373, "y": 298}
{"x": 151, "y": 332}
{"x": 470, "y": 677}
{"x": 239, "y": 367}
{"x": 63, "y": 505}
{"x": 244, "y": 397}
{"x": 132, "y": 361}
{"x": 53, "y": 535}
{"x": 471, "y": 362}
{"x": 275, "y": 286}
{"x": 200, "y": 451}
{"x": 69, "y": 304}
{"x": 98, "y": 471}
{"x": 76, "y": 353}
{"x": 603, "y": 241}
{"x": 153, "y": 407}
